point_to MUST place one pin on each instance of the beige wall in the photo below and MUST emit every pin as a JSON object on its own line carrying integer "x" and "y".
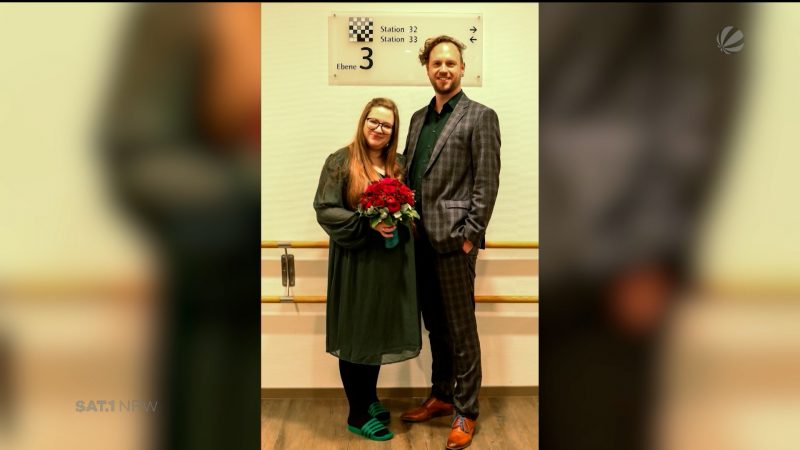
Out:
{"x": 56, "y": 64}
{"x": 752, "y": 238}
{"x": 61, "y": 242}
{"x": 304, "y": 120}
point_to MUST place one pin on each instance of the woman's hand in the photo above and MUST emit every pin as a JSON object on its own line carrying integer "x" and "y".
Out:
{"x": 385, "y": 230}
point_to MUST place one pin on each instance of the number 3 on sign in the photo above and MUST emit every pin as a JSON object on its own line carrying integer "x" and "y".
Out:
{"x": 367, "y": 57}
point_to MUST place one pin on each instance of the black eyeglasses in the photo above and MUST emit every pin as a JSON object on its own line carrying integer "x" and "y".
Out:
{"x": 374, "y": 124}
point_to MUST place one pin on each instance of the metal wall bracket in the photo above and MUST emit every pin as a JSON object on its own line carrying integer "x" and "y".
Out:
{"x": 287, "y": 270}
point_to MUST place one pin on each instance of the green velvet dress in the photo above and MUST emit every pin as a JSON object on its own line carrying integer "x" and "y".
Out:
{"x": 372, "y": 311}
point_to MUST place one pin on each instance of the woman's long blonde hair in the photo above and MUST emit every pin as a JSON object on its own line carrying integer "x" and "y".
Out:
{"x": 361, "y": 170}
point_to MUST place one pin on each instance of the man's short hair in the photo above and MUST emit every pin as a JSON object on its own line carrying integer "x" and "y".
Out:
{"x": 425, "y": 52}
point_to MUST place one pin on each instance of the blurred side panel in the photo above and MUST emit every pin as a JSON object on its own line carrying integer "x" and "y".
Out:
{"x": 129, "y": 270}
{"x": 181, "y": 143}
{"x": 637, "y": 108}
{"x": 78, "y": 313}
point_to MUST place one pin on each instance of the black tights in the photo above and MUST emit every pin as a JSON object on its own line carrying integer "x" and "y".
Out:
{"x": 360, "y": 382}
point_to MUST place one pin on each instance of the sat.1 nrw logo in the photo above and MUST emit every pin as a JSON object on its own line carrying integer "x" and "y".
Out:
{"x": 730, "y": 40}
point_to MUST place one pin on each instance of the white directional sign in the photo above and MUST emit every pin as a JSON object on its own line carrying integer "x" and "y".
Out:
{"x": 382, "y": 49}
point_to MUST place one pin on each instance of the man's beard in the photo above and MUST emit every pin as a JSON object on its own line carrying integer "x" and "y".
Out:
{"x": 455, "y": 84}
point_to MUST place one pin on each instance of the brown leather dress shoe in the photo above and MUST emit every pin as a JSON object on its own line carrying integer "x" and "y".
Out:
{"x": 432, "y": 407}
{"x": 461, "y": 432}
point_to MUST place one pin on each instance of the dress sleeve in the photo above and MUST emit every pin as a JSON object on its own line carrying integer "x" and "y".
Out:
{"x": 345, "y": 227}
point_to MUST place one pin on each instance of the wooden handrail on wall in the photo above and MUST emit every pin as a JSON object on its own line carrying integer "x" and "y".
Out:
{"x": 324, "y": 244}
{"x": 478, "y": 299}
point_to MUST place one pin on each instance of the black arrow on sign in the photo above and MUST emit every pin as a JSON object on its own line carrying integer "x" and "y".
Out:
{"x": 472, "y": 39}
{"x": 473, "y": 29}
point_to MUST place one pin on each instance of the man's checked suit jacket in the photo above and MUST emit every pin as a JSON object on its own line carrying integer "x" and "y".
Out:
{"x": 460, "y": 183}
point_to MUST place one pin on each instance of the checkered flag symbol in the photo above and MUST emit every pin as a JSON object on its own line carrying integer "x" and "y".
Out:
{"x": 360, "y": 29}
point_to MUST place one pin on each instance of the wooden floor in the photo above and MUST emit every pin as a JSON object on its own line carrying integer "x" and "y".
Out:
{"x": 505, "y": 423}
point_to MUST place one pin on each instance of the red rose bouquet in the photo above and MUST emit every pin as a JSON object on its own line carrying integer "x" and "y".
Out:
{"x": 389, "y": 201}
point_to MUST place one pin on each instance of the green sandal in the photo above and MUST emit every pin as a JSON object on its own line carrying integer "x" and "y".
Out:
{"x": 370, "y": 428}
{"x": 378, "y": 411}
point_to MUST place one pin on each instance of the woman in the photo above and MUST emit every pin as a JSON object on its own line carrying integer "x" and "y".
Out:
{"x": 372, "y": 314}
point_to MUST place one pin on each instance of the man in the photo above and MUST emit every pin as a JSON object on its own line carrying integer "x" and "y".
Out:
{"x": 453, "y": 147}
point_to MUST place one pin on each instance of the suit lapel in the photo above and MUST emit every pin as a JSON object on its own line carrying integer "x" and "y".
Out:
{"x": 413, "y": 137}
{"x": 455, "y": 117}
